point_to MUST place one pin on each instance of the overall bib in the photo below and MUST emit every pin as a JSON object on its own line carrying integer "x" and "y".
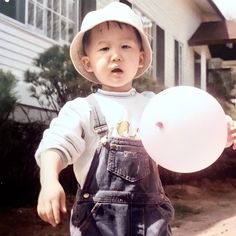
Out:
{"x": 122, "y": 194}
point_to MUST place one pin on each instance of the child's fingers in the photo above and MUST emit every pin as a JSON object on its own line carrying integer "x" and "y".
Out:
{"x": 63, "y": 203}
{"x": 232, "y": 133}
{"x": 50, "y": 214}
{"x": 234, "y": 146}
{"x": 56, "y": 212}
{"x": 41, "y": 212}
{"x": 46, "y": 214}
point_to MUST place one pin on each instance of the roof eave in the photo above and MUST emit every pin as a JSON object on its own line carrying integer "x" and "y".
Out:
{"x": 216, "y": 32}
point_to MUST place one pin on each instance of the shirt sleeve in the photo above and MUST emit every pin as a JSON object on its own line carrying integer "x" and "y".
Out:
{"x": 66, "y": 132}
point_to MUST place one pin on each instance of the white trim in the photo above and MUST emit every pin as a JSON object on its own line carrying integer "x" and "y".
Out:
{"x": 181, "y": 57}
{"x": 203, "y": 69}
{"x": 20, "y": 26}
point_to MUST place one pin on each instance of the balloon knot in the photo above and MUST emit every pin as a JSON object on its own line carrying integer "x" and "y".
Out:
{"x": 160, "y": 125}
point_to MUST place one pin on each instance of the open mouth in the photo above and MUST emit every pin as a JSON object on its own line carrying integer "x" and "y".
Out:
{"x": 117, "y": 70}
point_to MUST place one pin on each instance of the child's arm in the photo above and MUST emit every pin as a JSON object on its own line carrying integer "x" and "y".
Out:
{"x": 231, "y": 132}
{"x": 51, "y": 199}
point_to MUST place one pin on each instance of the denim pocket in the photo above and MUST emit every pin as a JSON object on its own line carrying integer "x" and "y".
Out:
{"x": 82, "y": 214}
{"x": 113, "y": 219}
{"x": 99, "y": 219}
{"x": 129, "y": 165}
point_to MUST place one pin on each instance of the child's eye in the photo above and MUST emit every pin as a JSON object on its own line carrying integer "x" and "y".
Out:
{"x": 125, "y": 46}
{"x": 104, "y": 49}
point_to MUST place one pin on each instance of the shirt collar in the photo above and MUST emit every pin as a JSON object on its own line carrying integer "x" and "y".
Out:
{"x": 131, "y": 92}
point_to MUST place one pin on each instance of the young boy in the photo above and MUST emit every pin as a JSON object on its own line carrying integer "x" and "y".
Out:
{"x": 120, "y": 192}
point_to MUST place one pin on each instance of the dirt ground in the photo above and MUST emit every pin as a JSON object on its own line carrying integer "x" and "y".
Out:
{"x": 203, "y": 209}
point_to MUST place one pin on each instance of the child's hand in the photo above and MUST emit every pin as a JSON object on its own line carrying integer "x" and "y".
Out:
{"x": 231, "y": 140}
{"x": 51, "y": 202}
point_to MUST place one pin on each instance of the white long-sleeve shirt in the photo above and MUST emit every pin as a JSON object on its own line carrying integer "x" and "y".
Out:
{"x": 72, "y": 131}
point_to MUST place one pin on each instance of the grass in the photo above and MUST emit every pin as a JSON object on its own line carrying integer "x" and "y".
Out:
{"x": 182, "y": 210}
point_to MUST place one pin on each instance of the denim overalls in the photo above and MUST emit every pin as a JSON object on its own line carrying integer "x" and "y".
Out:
{"x": 122, "y": 194}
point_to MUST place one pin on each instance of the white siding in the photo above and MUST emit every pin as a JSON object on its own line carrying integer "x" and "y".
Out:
{"x": 18, "y": 48}
{"x": 179, "y": 19}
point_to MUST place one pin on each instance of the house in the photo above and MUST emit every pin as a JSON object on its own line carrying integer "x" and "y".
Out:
{"x": 181, "y": 50}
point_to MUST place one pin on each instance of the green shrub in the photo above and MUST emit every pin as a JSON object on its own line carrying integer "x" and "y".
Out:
{"x": 19, "y": 173}
{"x": 7, "y": 96}
{"x": 19, "y": 181}
{"x": 147, "y": 83}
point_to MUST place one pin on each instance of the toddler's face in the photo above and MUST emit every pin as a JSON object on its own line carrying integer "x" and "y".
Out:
{"x": 114, "y": 55}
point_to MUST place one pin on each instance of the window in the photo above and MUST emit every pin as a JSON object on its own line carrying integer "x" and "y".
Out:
{"x": 178, "y": 63}
{"x": 14, "y": 9}
{"x": 160, "y": 55}
{"x": 56, "y": 19}
{"x": 149, "y": 28}
{"x": 197, "y": 70}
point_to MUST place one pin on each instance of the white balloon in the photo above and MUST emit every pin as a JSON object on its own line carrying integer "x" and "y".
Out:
{"x": 184, "y": 129}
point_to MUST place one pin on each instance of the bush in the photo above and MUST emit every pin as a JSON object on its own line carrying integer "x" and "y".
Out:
{"x": 7, "y": 97}
{"x": 147, "y": 83}
{"x": 19, "y": 181}
{"x": 19, "y": 173}
{"x": 56, "y": 81}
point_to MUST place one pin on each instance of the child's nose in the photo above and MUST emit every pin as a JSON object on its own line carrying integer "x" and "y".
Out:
{"x": 116, "y": 56}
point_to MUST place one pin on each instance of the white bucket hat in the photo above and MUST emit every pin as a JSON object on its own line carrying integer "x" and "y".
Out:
{"x": 115, "y": 11}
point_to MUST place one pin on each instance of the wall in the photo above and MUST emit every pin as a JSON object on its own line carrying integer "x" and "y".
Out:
{"x": 178, "y": 19}
{"x": 18, "y": 47}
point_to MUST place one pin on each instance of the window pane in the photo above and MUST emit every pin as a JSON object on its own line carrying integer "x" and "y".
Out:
{"x": 56, "y": 19}
{"x": 56, "y": 6}
{"x": 63, "y": 7}
{"x": 31, "y": 13}
{"x": 39, "y": 17}
{"x": 149, "y": 30}
{"x": 63, "y": 30}
{"x": 49, "y": 24}
{"x": 14, "y": 9}
{"x": 71, "y": 31}
{"x": 49, "y": 4}
{"x": 8, "y": 8}
{"x": 55, "y": 34}
{"x": 71, "y": 6}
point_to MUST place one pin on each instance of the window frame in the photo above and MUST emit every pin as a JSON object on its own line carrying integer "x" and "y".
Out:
{"x": 178, "y": 57}
{"x": 55, "y": 33}
{"x": 197, "y": 70}
{"x": 34, "y": 16}
{"x": 151, "y": 33}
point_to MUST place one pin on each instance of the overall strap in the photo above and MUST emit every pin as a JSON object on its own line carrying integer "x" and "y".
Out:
{"x": 99, "y": 121}
{"x": 101, "y": 129}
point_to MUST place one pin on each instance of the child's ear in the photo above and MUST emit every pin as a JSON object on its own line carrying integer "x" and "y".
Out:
{"x": 86, "y": 63}
{"x": 141, "y": 59}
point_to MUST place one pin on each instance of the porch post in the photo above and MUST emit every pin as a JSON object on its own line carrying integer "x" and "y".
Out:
{"x": 203, "y": 69}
